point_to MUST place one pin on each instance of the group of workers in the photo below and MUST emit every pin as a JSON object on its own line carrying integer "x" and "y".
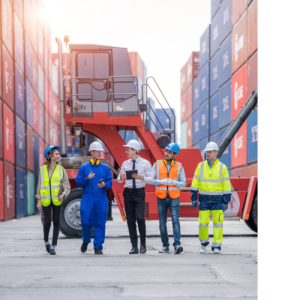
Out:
{"x": 210, "y": 187}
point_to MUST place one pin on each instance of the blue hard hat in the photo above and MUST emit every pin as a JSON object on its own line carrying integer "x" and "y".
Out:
{"x": 49, "y": 148}
{"x": 173, "y": 147}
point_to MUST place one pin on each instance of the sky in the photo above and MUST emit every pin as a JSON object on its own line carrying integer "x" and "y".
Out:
{"x": 163, "y": 32}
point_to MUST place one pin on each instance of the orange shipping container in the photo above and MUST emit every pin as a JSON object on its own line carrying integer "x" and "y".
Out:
{"x": 252, "y": 28}
{"x": 189, "y": 101}
{"x": 189, "y": 127}
{"x": 252, "y": 74}
{"x": 192, "y": 68}
{"x": 183, "y": 107}
{"x": 1, "y": 193}
{"x": 183, "y": 79}
{"x": 252, "y": 170}
{"x": 239, "y": 172}
{"x": 239, "y": 148}
{"x": 238, "y": 7}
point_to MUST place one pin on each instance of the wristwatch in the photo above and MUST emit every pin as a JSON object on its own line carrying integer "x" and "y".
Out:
{"x": 142, "y": 178}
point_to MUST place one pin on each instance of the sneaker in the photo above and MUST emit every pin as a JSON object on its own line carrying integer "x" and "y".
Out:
{"x": 203, "y": 249}
{"x": 164, "y": 250}
{"x": 84, "y": 247}
{"x": 98, "y": 251}
{"x": 52, "y": 251}
{"x": 216, "y": 250}
{"x": 48, "y": 247}
{"x": 178, "y": 250}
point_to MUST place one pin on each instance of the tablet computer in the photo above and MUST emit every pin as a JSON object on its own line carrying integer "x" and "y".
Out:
{"x": 129, "y": 174}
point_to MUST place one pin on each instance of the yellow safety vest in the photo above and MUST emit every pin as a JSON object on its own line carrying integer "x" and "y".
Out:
{"x": 49, "y": 190}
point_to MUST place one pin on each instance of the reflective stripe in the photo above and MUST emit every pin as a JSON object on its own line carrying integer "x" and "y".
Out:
{"x": 50, "y": 187}
{"x": 227, "y": 192}
{"x": 216, "y": 244}
{"x": 46, "y": 197}
{"x": 162, "y": 188}
{"x": 194, "y": 188}
{"x": 157, "y": 168}
{"x": 178, "y": 169}
{"x": 204, "y": 241}
{"x": 218, "y": 225}
{"x": 220, "y": 180}
{"x": 60, "y": 173}
{"x": 203, "y": 226}
{"x": 211, "y": 193}
{"x": 226, "y": 178}
{"x": 201, "y": 171}
{"x": 195, "y": 176}
{"x": 42, "y": 175}
{"x": 173, "y": 188}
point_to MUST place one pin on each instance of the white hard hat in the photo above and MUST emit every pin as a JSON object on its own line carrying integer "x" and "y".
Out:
{"x": 96, "y": 146}
{"x": 133, "y": 144}
{"x": 211, "y": 146}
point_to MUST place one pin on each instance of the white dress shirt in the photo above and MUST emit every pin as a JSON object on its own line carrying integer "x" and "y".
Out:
{"x": 143, "y": 168}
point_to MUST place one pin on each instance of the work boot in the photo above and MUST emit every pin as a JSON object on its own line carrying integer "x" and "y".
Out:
{"x": 203, "y": 249}
{"x": 84, "y": 247}
{"x": 216, "y": 250}
{"x": 52, "y": 251}
{"x": 98, "y": 251}
{"x": 134, "y": 250}
{"x": 164, "y": 250}
{"x": 178, "y": 250}
{"x": 48, "y": 247}
{"x": 143, "y": 248}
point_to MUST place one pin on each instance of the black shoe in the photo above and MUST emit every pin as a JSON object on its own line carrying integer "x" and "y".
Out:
{"x": 143, "y": 248}
{"x": 178, "y": 250}
{"x": 98, "y": 251}
{"x": 52, "y": 251}
{"x": 48, "y": 248}
{"x": 84, "y": 247}
{"x": 134, "y": 250}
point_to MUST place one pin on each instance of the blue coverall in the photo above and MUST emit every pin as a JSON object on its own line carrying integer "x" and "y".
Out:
{"x": 94, "y": 203}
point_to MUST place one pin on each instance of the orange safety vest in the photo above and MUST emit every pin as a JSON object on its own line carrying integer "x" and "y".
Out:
{"x": 162, "y": 173}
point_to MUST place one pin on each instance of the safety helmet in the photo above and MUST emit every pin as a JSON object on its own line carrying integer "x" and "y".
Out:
{"x": 173, "y": 147}
{"x": 133, "y": 144}
{"x": 48, "y": 149}
{"x": 211, "y": 146}
{"x": 96, "y": 146}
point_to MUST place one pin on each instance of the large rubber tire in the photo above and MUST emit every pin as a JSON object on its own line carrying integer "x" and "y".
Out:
{"x": 252, "y": 222}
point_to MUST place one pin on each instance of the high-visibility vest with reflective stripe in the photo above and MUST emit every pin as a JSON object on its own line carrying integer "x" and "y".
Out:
{"x": 211, "y": 181}
{"x": 162, "y": 173}
{"x": 49, "y": 190}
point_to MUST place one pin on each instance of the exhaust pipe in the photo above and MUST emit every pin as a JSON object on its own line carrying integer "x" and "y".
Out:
{"x": 62, "y": 99}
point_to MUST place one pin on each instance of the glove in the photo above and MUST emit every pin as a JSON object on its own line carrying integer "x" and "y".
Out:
{"x": 195, "y": 203}
{"x": 224, "y": 206}
{"x": 172, "y": 182}
{"x": 164, "y": 182}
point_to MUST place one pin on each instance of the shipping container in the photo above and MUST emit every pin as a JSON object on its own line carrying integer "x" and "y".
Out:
{"x": 18, "y": 6}
{"x": 46, "y": 62}
{"x": 165, "y": 117}
{"x": 183, "y": 140}
{"x": 1, "y": 134}
{"x": 41, "y": 47}
{"x": 238, "y": 7}
{"x": 21, "y": 193}
{"x": 196, "y": 126}
{"x": 7, "y": 30}
{"x": 36, "y": 111}
{"x": 8, "y": 78}
{"x": 9, "y": 191}
{"x": 252, "y": 74}
{"x": 238, "y": 91}
{"x": 225, "y": 61}
{"x": 239, "y": 43}
{"x": 50, "y": 101}
{"x": 35, "y": 44}
{"x": 252, "y": 28}
{"x": 20, "y": 143}
{"x": 28, "y": 19}
{"x": 239, "y": 147}
{"x": 202, "y": 145}
{"x": 19, "y": 43}
{"x": 9, "y": 134}
{"x": 28, "y": 59}
{"x": 204, "y": 48}
{"x": 204, "y": 119}
{"x": 214, "y": 118}
{"x": 1, "y": 70}
{"x": 215, "y": 37}
{"x": 29, "y": 103}
{"x": 226, "y": 156}
{"x": 239, "y": 172}
{"x": 226, "y": 19}
{"x": 214, "y": 7}
{"x": 252, "y": 137}
{"x": 183, "y": 107}
{"x": 215, "y": 137}
{"x": 54, "y": 79}
{"x": 29, "y": 147}
{"x": 204, "y": 83}
{"x": 46, "y": 94}
{"x": 196, "y": 94}
{"x": 36, "y": 145}
{"x": 214, "y": 82}
{"x": 1, "y": 192}
{"x": 19, "y": 93}
{"x": 41, "y": 120}
{"x": 47, "y": 127}
{"x": 249, "y": 2}
{"x": 252, "y": 170}
{"x": 192, "y": 68}
{"x": 225, "y": 105}
{"x": 189, "y": 127}
{"x": 35, "y": 73}
{"x": 189, "y": 101}
{"x": 41, "y": 84}
{"x": 183, "y": 79}
{"x": 30, "y": 194}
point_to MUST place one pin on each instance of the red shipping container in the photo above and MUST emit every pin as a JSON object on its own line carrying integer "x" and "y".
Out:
{"x": 41, "y": 47}
{"x": 51, "y": 130}
{"x": 189, "y": 128}
{"x": 189, "y": 101}
{"x": 239, "y": 147}
{"x": 28, "y": 19}
{"x": 35, "y": 44}
{"x": 239, "y": 172}
{"x": 46, "y": 94}
{"x": 8, "y": 78}
{"x": 239, "y": 43}
{"x": 50, "y": 108}
{"x": 56, "y": 109}
{"x": 238, "y": 7}
{"x": 56, "y": 135}
{"x": 7, "y": 28}
{"x": 36, "y": 111}
{"x": 238, "y": 91}
{"x": 252, "y": 28}
{"x": 41, "y": 120}
{"x": 41, "y": 152}
{"x": 47, "y": 126}
{"x": 46, "y": 63}
{"x": 35, "y": 73}
{"x": 183, "y": 107}
{"x": 1, "y": 130}
{"x": 192, "y": 68}
{"x": 30, "y": 142}
{"x": 66, "y": 61}
{"x": 9, "y": 191}
{"x": 1, "y": 67}
{"x": 9, "y": 134}
{"x": 252, "y": 74}
{"x": 1, "y": 193}
{"x": 252, "y": 170}
{"x": 183, "y": 79}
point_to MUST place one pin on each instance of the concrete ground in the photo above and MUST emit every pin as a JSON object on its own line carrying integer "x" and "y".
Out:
{"x": 27, "y": 271}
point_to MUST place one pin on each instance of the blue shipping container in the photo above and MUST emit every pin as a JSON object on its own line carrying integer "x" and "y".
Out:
{"x": 214, "y": 7}
{"x": 196, "y": 126}
{"x": 226, "y": 156}
{"x": 196, "y": 93}
{"x": 128, "y": 135}
{"x": 204, "y": 83}
{"x": 215, "y": 137}
{"x": 214, "y": 114}
{"x": 225, "y": 61}
{"x": 29, "y": 104}
{"x": 20, "y": 149}
{"x": 164, "y": 117}
{"x": 214, "y": 74}
{"x": 226, "y": 19}
{"x": 225, "y": 105}
{"x": 215, "y": 34}
{"x": 204, "y": 48}
{"x": 21, "y": 193}
{"x": 202, "y": 145}
{"x": 19, "y": 93}
{"x": 204, "y": 121}
{"x": 28, "y": 59}
{"x": 252, "y": 137}
{"x": 36, "y": 153}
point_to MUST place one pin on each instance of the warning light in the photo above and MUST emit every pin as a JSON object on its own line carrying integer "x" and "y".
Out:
{"x": 124, "y": 218}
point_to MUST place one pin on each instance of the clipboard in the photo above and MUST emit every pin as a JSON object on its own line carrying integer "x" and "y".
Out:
{"x": 129, "y": 174}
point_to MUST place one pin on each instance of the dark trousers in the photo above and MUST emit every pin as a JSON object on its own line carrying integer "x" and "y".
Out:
{"x": 47, "y": 222}
{"x": 135, "y": 210}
